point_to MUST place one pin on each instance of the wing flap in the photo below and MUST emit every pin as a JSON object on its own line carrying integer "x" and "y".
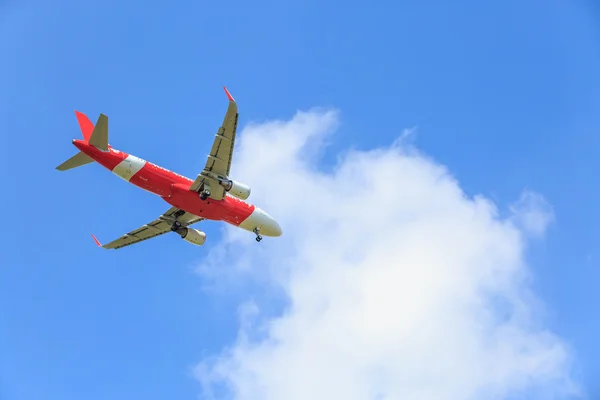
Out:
{"x": 158, "y": 227}
{"x": 219, "y": 159}
{"x": 221, "y": 152}
{"x": 144, "y": 233}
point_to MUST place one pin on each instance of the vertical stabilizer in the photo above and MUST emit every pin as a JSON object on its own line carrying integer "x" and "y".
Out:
{"x": 86, "y": 126}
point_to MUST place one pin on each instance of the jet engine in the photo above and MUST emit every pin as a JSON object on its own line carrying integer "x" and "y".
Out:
{"x": 193, "y": 236}
{"x": 236, "y": 189}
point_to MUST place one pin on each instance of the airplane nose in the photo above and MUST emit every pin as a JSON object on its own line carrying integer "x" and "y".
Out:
{"x": 271, "y": 228}
{"x": 266, "y": 223}
{"x": 276, "y": 229}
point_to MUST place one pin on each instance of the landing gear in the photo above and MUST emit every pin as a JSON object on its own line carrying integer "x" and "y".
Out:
{"x": 176, "y": 226}
{"x": 178, "y": 213}
{"x": 258, "y": 237}
{"x": 205, "y": 194}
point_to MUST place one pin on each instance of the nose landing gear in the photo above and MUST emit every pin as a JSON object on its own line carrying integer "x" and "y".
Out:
{"x": 258, "y": 237}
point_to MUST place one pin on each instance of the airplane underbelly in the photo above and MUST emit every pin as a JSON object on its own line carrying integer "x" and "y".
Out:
{"x": 127, "y": 168}
{"x": 138, "y": 172}
{"x": 152, "y": 182}
{"x": 227, "y": 210}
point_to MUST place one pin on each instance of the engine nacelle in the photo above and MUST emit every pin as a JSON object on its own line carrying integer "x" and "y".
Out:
{"x": 236, "y": 189}
{"x": 194, "y": 236}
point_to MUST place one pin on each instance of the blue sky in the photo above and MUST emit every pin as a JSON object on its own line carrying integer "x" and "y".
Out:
{"x": 505, "y": 94}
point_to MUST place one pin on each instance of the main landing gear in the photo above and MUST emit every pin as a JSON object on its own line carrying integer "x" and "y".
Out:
{"x": 205, "y": 194}
{"x": 258, "y": 237}
{"x": 176, "y": 226}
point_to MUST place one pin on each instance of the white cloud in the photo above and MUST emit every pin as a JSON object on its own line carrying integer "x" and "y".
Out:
{"x": 532, "y": 213}
{"x": 399, "y": 285}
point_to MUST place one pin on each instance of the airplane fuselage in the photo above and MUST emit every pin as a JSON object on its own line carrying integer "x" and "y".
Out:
{"x": 175, "y": 190}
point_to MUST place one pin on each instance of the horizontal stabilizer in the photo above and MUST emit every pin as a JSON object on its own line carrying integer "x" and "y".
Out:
{"x": 77, "y": 160}
{"x": 99, "y": 138}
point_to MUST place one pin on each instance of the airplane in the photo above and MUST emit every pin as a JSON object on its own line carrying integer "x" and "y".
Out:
{"x": 211, "y": 196}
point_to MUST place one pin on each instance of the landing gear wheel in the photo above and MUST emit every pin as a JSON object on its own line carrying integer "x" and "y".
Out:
{"x": 258, "y": 237}
{"x": 176, "y": 225}
{"x": 205, "y": 194}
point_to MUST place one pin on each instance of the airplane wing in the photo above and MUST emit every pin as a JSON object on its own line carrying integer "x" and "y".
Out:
{"x": 218, "y": 163}
{"x": 158, "y": 227}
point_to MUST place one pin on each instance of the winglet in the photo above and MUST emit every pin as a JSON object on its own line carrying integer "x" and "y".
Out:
{"x": 228, "y": 94}
{"x": 96, "y": 240}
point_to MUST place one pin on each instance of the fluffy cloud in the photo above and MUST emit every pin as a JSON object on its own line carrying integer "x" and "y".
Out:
{"x": 532, "y": 213}
{"x": 397, "y": 284}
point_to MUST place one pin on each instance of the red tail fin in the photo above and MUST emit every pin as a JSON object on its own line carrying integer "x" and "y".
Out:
{"x": 86, "y": 126}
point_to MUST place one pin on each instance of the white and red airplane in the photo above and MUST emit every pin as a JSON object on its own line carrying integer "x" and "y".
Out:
{"x": 212, "y": 195}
